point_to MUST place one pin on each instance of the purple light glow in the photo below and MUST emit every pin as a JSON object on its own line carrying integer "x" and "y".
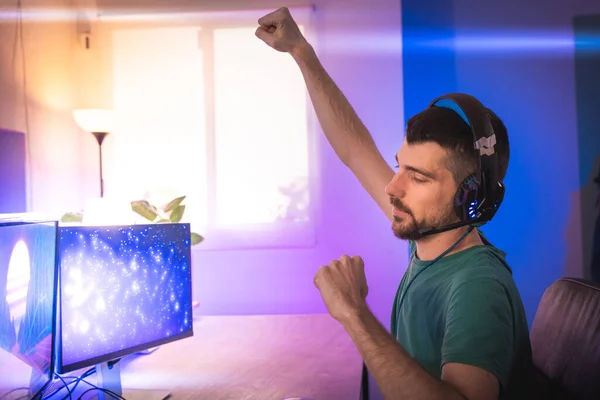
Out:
{"x": 123, "y": 288}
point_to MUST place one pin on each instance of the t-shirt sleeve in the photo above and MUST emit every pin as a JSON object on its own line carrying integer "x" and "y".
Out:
{"x": 479, "y": 328}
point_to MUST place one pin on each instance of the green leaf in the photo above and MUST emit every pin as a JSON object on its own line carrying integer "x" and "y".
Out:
{"x": 72, "y": 217}
{"x": 163, "y": 221}
{"x": 174, "y": 203}
{"x": 196, "y": 238}
{"x": 145, "y": 209}
{"x": 177, "y": 213}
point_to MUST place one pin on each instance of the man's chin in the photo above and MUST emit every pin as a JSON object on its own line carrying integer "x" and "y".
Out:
{"x": 406, "y": 234}
{"x": 414, "y": 236}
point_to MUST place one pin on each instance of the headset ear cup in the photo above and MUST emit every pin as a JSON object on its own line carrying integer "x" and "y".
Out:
{"x": 459, "y": 200}
{"x": 466, "y": 199}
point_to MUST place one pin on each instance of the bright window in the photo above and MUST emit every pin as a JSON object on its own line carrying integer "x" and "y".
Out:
{"x": 213, "y": 113}
{"x": 260, "y": 131}
{"x": 160, "y": 139}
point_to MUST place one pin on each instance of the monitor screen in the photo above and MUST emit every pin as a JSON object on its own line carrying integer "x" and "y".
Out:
{"x": 28, "y": 276}
{"x": 123, "y": 289}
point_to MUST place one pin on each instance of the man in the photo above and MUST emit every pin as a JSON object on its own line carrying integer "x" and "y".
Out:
{"x": 459, "y": 331}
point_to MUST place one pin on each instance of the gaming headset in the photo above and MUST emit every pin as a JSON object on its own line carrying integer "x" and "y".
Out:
{"x": 479, "y": 196}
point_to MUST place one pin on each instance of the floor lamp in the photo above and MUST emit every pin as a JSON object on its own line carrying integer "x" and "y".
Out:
{"x": 99, "y": 123}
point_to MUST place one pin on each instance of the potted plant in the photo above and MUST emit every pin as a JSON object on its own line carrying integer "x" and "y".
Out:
{"x": 169, "y": 213}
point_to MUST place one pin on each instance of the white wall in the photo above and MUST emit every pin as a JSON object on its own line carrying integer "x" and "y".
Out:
{"x": 43, "y": 109}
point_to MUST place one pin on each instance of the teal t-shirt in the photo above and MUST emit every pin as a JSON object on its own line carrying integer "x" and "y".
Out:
{"x": 465, "y": 308}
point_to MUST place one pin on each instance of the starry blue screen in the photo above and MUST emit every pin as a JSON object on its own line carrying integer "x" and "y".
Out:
{"x": 123, "y": 289}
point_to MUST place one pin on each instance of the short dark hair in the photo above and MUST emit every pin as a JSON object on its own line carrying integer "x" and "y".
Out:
{"x": 446, "y": 128}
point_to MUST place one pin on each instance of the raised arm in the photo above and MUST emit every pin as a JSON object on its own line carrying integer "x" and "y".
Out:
{"x": 342, "y": 127}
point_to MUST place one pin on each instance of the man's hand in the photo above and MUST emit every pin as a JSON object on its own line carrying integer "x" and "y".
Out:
{"x": 279, "y": 30}
{"x": 343, "y": 287}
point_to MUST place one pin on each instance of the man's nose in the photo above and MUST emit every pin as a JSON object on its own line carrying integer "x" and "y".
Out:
{"x": 395, "y": 188}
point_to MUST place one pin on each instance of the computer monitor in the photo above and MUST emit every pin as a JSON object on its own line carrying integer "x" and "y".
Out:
{"x": 123, "y": 289}
{"x": 28, "y": 277}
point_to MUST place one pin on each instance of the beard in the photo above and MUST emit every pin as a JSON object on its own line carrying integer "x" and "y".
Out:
{"x": 408, "y": 228}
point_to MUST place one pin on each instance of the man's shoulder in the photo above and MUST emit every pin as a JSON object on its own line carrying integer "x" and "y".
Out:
{"x": 483, "y": 262}
{"x": 482, "y": 269}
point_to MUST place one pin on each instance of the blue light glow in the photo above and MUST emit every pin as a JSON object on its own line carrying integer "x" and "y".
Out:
{"x": 493, "y": 42}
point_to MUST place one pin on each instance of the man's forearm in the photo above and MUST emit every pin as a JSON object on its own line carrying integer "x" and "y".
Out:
{"x": 341, "y": 125}
{"x": 396, "y": 373}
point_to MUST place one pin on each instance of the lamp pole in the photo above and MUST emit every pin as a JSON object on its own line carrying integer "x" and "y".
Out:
{"x": 100, "y": 138}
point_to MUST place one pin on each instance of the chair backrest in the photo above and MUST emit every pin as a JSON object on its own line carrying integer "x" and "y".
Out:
{"x": 565, "y": 337}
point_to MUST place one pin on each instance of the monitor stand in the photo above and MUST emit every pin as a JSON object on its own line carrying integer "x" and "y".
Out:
{"x": 109, "y": 377}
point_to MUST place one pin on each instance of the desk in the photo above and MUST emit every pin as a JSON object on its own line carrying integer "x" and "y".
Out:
{"x": 266, "y": 357}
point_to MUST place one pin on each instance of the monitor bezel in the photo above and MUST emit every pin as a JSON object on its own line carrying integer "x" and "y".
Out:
{"x": 39, "y": 394}
{"x": 90, "y": 362}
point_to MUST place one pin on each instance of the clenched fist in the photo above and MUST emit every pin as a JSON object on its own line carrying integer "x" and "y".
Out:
{"x": 343, "y": 286}
{"x": 279, "y": 30}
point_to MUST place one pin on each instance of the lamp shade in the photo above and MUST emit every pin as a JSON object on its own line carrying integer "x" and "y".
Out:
{"x": 94, "y": 120}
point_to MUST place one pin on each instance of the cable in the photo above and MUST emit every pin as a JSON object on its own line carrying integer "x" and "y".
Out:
{"x": 13, "y": 391}
{"x": 69, "y": 395}
{"x": 94, "y": 387}
{"x": 80, "y": 379}
{"x": 47, "y": 396}
{"x": 449, "y": 249}
{"x": 75, "y": 380}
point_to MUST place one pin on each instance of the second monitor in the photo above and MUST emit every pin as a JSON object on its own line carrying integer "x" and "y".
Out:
{"x": 123, "y": 289}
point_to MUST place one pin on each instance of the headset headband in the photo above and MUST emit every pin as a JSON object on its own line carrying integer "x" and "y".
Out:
{"x": 484, "y": 141}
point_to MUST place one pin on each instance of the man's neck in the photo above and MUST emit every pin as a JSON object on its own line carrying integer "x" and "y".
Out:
{"x": 430, "y": 247}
